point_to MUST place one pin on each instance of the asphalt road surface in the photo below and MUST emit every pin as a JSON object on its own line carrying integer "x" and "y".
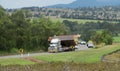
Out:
{"x": 23, "y": 55}
{"x": 79, "y": 47}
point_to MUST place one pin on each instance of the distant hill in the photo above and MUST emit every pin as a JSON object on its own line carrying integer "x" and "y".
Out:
{"x": 109, "y": 13}
{"x": 87, "y": 3}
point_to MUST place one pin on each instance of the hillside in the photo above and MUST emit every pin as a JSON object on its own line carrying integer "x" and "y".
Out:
{"x": 100, "y": 13}
{"x": 88, "y": 3}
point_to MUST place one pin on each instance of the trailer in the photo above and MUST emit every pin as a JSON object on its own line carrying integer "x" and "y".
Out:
{"x": 62, "y": 43}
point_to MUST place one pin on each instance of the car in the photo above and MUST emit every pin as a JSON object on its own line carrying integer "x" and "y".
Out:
{"x": 90, "y": 45}
{"x": 83, "y": 43}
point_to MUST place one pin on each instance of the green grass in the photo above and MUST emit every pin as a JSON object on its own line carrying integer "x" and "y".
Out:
{"x": 116, "y": 39}
{"x": 85, "y": 56}
{"x": 80, "y": 21}
{"x": 15, "y": 61}
{"x": 74, "y": 20}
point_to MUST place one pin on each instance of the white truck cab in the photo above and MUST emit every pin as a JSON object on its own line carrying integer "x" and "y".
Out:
{"x": 55, "y": 46}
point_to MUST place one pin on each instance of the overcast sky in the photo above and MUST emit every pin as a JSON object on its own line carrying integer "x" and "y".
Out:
{"x": 29, "y": 3}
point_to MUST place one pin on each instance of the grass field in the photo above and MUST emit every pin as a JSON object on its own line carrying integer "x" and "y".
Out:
{"x": 116, "y": 39}
{"x": 87, "y": 60}
{"x": 15, "y": 61}
{"x": 80, "y": 21}
{"x": 85, "y": 56}
{"x": 61, "y": 66}
{"x": 115, "y": 57}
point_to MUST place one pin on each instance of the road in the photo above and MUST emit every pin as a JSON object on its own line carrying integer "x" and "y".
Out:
{"x": 80, "y": 47}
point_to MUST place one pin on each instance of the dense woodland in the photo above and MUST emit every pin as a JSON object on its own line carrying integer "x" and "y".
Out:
{"x": 16, "y": 31}
{"x": 19, "y": 29}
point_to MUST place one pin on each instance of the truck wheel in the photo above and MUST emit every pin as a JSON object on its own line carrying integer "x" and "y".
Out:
{"x": 73, "y": 49}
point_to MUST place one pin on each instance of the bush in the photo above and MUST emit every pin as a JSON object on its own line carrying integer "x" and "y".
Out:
{"x": 14, "y": 50}
{"x": 104, "y": 37}
{"x": 107, "y": 37}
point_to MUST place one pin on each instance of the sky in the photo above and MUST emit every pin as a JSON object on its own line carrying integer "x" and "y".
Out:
{"x": 107, "y": 0}
{"x": 28, "y": 3}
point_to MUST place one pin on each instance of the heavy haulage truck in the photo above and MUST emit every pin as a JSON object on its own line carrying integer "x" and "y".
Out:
{"x": 62, "y": 43}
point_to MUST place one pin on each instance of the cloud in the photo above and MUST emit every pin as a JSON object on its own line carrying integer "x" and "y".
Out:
{"x": 28, "y": 3}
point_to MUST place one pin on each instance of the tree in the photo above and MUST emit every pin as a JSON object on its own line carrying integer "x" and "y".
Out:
{"x": 104, "y": 37}
{"x": 107, "y": 37}
{"x": 88, "y": 35}
{"x": 2, "y": 12}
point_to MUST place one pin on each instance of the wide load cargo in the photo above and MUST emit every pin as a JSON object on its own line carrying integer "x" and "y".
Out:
{"x": 62, "y": 43}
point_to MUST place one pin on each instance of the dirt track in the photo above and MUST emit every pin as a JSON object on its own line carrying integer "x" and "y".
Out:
{"x": 33, "y": 60}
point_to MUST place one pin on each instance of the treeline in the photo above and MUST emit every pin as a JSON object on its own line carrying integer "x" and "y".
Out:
{"x": 17, "y": 31}
{"x": 111, "y": 13}
{"x": 99, "y": 32}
